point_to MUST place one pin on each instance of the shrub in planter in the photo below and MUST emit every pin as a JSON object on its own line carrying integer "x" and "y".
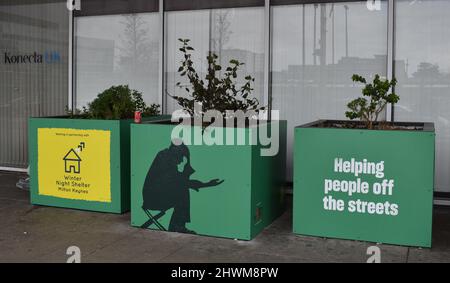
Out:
{"x": 365, "y": 180}
{"x": 81, "y": 160}
{"x": 206, "y": 177}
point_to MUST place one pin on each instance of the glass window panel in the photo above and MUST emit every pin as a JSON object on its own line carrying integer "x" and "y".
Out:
{"x": 36, "y": 88}
{"x": 193, "y": 25}
{"x": 230, "y": 33}
{"x": 422, "y": 67}
{"x": 115, "y": 50}
{"x": 316, "y": 48}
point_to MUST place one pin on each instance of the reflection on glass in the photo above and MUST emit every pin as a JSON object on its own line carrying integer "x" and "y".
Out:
{"x": 422, "y": 67}
{"x": 30, "y": 89}
{"x": 230, "y": 33}
{"x": 114, "y": 50}
{"x": 316, "y": 48}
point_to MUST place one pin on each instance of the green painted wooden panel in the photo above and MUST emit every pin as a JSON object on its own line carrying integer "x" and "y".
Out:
{"x": 408, "y": 160}
{"x": 224, "y": 210}
{"x": 115, "y": 158}
{"x": 119, "y": 162}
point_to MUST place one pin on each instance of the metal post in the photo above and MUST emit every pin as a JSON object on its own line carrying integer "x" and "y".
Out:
{"x": 267, "y": 57}
{"x": 162, "y": 82}
{"x": 346, "y": 30}
{"x": 333, "y": 51}
{"x": 315, "y": 37}
{"x": 70, "y": 98}
{"x": 390, "y": 72}
{"x": 303, "y": 37}
{"x": 323, "y": 35}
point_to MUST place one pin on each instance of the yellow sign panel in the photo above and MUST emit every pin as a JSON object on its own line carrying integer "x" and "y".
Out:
{"x": 74, "y": 164}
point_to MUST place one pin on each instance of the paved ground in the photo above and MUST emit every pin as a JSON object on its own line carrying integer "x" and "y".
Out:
{"x": 43, "y": 234}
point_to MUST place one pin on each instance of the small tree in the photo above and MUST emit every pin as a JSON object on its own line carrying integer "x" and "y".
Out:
{"x": 379, "y": 96}
{"x": 214, "y": 92}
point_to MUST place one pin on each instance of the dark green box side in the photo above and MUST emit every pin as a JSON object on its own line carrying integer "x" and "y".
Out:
{"x": 268, "y": 181}
{"x": 409, "y": 160}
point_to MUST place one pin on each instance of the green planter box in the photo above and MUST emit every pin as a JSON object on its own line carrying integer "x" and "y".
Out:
{"x": 80, "y": 163}
{"x": 248, "y": 200}
{"x": 389, "y": 172}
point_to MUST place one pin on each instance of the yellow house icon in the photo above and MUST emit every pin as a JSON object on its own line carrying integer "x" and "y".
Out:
{"x": 72, "y": 162}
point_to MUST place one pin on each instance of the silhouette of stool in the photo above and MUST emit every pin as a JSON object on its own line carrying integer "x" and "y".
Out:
{"x": 153, "y": 220}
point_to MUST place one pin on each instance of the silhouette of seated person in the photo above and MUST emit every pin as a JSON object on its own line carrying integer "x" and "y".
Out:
{"x": 168, "y": 183}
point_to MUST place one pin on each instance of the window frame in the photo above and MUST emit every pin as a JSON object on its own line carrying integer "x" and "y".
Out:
{"x": 112, "y": 7}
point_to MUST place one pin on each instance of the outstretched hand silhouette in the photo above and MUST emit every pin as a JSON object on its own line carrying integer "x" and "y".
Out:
{"x": 215, "y": 182}
{"x": 196, "y": 185}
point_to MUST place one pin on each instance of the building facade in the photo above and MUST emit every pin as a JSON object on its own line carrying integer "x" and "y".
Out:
{"x": 58, "y": 55}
